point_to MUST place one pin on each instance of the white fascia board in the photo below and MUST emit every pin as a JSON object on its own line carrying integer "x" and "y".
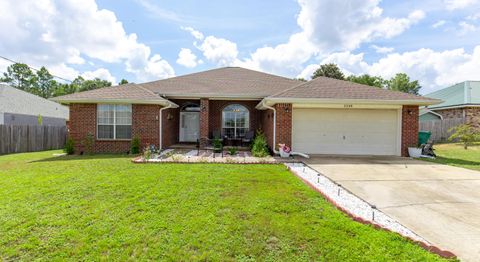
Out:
{"x": 163, "y": 102}
{"x": 275, "y": 100}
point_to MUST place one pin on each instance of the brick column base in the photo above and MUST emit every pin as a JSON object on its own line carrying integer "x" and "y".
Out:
{"x": 204, "y": 124}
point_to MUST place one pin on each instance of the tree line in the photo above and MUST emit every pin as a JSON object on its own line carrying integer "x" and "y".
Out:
{"x": 42, "y": 83}
{"x": 400, "y": 82}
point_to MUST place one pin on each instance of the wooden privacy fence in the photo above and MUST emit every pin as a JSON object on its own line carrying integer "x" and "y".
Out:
{"x": 16, "y": 139}
{"x": 439, "y": 128}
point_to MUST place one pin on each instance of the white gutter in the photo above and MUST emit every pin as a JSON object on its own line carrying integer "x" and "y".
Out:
{"x": 160, "y": 131}
{"x": 275, "y": 100}
{"x": 274, "y": 125}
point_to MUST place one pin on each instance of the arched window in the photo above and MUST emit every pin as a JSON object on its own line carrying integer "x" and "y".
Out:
{"x": 235, "y": 121}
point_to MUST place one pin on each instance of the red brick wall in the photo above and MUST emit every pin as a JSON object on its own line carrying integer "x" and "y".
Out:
{"x": 266, "y": 125}
{"x": 204, "y": 121}
{"x": 409, "y": 128}
{"x": 83, "y": 119}
{"x": 283, "y": 124}
{"x": 170, "y": 126}
{"x": 217, "y": 106}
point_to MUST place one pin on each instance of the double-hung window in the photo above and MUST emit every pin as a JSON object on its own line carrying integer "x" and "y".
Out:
{"x": 114, "y": 121}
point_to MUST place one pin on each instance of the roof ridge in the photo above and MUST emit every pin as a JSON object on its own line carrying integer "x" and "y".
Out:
{"x": 347, "y": 82}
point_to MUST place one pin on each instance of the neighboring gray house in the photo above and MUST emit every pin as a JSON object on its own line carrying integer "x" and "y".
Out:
{"x": 18, "y": 107}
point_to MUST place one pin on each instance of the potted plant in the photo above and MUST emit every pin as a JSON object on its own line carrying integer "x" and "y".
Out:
{"x": 415, "y": 151}
{"x": 284, "y": 150}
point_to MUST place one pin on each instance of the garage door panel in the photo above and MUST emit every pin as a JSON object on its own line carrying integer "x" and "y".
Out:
{"x": 345, "y": 131}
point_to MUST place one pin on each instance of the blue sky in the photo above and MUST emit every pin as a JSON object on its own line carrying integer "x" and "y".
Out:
{"x": 435, "y": 42}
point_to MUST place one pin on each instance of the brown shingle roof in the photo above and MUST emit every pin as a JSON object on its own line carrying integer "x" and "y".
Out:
{"x": 330, "y": 88}
{"x": 222, "y": 82}
{"x": 120, "y": 93}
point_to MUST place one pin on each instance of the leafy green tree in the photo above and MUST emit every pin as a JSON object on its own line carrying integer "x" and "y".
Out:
{"x": 366, "y": 79}
{"x": 300, "y": 79}
{"x": 44, "y": 84}
{"x": 401, "y": 82}
{"x": 329, "y": 70}
{"x": 465, "y": 134}
{"x": 123, "y": 82}
{"x": 96, "y": 83}
{"x": 19, "y": 76}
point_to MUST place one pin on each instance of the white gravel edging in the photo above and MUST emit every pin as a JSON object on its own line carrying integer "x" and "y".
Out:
{"x": 351, "y": 203}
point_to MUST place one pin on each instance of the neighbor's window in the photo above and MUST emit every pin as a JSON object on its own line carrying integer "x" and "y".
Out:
{"x": 235, "y": 121}
{"x": 114, "y": 121}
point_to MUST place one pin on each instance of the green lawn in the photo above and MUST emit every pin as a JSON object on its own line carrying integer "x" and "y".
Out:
{"x": 106, "y": 208}
{"x": 456, "y": 155}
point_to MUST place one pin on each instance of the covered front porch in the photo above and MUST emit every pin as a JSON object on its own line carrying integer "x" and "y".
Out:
{"x": 196, "y": 122}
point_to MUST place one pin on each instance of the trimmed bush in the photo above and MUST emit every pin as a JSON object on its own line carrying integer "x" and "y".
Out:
{"x": 259, "y": 145}
{"x": 69, "y": 146}
{"x": 135, "y": 146}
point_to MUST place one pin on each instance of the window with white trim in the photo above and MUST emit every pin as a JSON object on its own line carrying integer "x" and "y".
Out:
{"x": 114, "y": 121}
{"x": 235, "y": 121}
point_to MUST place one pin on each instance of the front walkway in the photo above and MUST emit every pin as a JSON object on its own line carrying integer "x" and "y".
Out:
{"x": 438, "y": 202}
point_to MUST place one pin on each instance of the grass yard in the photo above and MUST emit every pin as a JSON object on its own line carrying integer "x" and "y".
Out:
{"x": 454, "y": 154}
{"x": 105, "y": 207}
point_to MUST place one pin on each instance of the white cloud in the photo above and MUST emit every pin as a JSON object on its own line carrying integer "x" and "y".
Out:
{"x": 220, "y": 51}
{"x": 459, "y": 4}
{"x": 439, "y": 23}
{"x": 101, "y": 73}
{"x": 433, "y": 69}
{"x": 382, "y": 49}
{"x": 69, "y": 32}
{"x": 308, "y": 71}
{"x": 187, "y": 58}
{"x": 196, "y": 34}
{"x": 350, "y": 23}
{"x": 466, "y": 28}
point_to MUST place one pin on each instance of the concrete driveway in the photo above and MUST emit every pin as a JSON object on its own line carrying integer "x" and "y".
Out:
{"x": 440, "y": 203}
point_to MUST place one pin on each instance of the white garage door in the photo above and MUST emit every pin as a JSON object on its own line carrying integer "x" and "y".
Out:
{"x": 345, "y": 131}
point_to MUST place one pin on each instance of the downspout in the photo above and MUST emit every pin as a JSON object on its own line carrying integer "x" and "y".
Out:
{"x": 274, "y": 126}
{"x": 160, "y": 147}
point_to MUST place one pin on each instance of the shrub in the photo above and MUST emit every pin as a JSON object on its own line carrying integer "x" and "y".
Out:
{"x": 69, "y": 146}
{"x": 259, "y": 145}
{"x": 88, "y": 144}
{"x": 135, "y": 146}
{"x": 232, "y": 151}
{"x": 465, "y": 134}
{"x": 217, "y": 145}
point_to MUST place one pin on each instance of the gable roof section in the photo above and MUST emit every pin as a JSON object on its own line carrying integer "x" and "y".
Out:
{"x": 226, "y": 82}
{"x": 324, "y": 89}
{"x": 458, "y": 95}
{"x": 13, "y": 100}
{"x": 128, "y": 93}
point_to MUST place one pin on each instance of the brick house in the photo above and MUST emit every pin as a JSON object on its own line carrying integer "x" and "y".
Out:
{"x": 322, "y": 116}
{"x": 461, "y": 101}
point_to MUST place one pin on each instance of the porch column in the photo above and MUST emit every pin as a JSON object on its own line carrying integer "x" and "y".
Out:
{"x": 204, "y": 124}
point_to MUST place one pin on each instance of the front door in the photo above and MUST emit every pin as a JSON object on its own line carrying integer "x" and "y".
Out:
{"x": 189, "y": 126}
